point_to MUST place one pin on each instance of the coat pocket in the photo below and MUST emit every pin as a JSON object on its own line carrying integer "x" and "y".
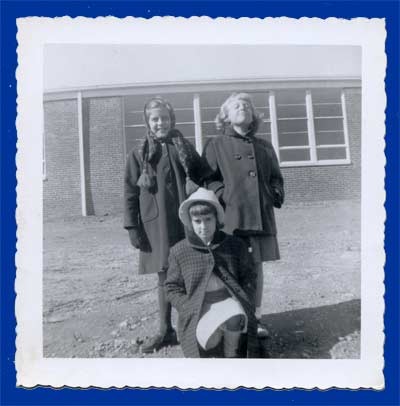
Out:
{"x": 148, "y": 206}
{"x": 226, "y": 196}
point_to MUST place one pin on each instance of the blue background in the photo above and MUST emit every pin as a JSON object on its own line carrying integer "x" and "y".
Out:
{"x": 10, "y": 395}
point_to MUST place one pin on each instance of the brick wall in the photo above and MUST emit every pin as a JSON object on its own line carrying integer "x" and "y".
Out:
{"x": 104, "y": 156}
{"x": 105, "y": 166}
{"x": 313, "y": 183}
{"x": 61, "y": 189}
{"x": 103, "y": 128}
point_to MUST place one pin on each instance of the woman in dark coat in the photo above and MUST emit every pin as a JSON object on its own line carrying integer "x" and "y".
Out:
{"x": 156, "y": 180}
{"x": 207, "y": 270}
{"x": 248, "y": 181}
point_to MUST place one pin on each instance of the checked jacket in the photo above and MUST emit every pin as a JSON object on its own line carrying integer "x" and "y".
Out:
{"x": 190, "y": 266}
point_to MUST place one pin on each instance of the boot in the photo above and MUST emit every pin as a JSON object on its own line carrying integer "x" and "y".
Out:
{"x": 160, "y": 341}
{"x": 167, "y": 335}
{"x": 231, "y": 343}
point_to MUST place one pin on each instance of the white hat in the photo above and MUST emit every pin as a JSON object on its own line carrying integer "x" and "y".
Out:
{"x": 201, "y": 195}
{"x": 218, "y": 314}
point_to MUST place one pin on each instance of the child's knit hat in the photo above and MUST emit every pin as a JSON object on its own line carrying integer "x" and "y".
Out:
{"x": 200, "y": 196}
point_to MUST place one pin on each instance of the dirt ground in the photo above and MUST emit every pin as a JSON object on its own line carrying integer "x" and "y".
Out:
{"x": 95, "y": 304}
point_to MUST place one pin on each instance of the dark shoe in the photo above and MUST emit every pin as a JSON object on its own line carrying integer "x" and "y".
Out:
{"x": 160, "y": 341}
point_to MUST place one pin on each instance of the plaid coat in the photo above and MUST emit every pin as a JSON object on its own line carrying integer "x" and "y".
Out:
{"x": 190, "y": 267}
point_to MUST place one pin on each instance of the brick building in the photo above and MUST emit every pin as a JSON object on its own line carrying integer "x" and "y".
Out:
{"x": 314, "y": 125}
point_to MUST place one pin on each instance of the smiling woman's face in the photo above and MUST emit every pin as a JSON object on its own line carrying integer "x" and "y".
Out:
{"x": 159, "y": 122}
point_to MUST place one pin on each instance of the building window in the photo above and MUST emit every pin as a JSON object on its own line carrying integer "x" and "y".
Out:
{"x": 291, "y": 123}
{"x": 305, "y": 126}
{"x": 329, "y": 125}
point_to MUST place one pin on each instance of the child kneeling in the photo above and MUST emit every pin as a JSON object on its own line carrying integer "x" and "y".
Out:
{"x": 211, "y": 282}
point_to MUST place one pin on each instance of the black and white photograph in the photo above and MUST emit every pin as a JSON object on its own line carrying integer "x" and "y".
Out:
{"x": 205, "y": 201}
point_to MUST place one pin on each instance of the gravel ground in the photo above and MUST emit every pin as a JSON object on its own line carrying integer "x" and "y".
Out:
{"x": 95, "y": 304}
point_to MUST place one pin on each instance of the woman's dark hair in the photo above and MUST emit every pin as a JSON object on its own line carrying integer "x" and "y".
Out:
{"x": 202, "y": 209}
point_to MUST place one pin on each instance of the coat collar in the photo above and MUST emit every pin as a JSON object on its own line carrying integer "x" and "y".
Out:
{"x": 229, "y": 131}
{"x": 195, "y": 242}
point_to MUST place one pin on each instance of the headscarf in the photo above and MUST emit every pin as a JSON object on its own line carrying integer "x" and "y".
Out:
{"x": 151, "y": 149}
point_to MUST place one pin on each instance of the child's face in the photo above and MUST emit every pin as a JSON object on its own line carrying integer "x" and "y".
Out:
{"x": 204, "y": 226}
{"x": 159, "y": 122}
{"x": 240, "y": 112}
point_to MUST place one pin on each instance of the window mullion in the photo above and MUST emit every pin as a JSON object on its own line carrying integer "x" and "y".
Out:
{"x": 345, "y": 131}
{"x": 274, "y": 123}
{"x": 123, "y": 118}
{"x": 82, "y": 163}
{"x": 44, "y": 167}
{"x": 197, "y": 123}
{"x": 310, "y": 126}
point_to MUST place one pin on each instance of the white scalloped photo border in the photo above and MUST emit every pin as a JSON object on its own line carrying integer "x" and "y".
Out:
{"x": 33, "y": 369}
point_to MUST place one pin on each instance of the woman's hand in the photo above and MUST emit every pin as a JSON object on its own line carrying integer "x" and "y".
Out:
{"x": 134, "y": 237}
{"x": 138, "y": 239}
{"x": 278, "y": 198}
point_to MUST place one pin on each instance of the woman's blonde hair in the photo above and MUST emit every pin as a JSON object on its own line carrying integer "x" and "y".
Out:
{"x": 222, "y": 119}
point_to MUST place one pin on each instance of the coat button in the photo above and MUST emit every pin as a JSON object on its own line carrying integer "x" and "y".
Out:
{"x": 237, "y": 156}
{"x": 252, "y": 174}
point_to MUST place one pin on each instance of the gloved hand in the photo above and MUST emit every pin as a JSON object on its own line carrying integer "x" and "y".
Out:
{"x": 134, "y": 237}
{"x": 138, "y": 239}
{"x": 278, "y": 198}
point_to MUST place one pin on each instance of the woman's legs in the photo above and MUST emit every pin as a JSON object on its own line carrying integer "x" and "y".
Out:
{"x": 259, "y": 288}
{"x": 232, "y": 332}
{"x": 166, "y": 335}
{"x": 164, "y": 305}
{"x": 262, "y": 332}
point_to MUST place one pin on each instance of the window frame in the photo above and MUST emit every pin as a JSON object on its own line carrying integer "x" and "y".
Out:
{"x": 268, "y": 86}
{"x": 273, "y": 121}
{"x": 312, "y": 145}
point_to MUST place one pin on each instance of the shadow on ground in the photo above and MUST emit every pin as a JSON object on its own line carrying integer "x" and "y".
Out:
{"x": 310, "y": 333}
